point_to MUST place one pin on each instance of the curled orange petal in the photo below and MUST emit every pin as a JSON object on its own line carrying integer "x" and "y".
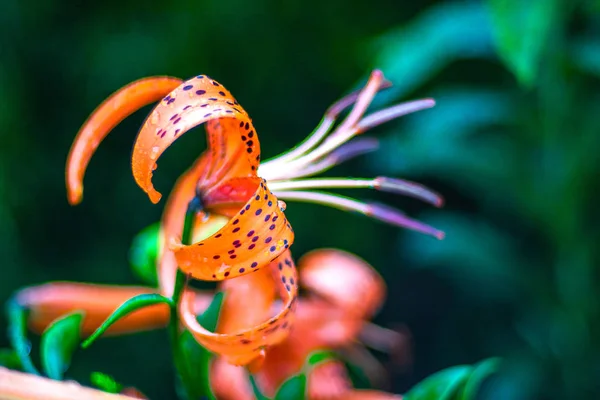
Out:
{"x": 52, "y": 300}
{"x": 318, "y": 325}
{"x": 172, "y": 223}
{"x": 109, "y": 114}
{"x": 233, "y": 146}
{"x": 343, "y": 279}
{"x": 236, "y": 311}
{"x": 242, "y": 347}
{"x": 255, "y": 236}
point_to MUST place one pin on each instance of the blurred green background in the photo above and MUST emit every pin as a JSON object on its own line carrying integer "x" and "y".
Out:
{"x": 512, "y": 145}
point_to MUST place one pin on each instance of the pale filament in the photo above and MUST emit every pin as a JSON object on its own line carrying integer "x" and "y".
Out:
{"x": 336, "y": 139}
{"x": 377, "y": 211}
{"x": 384, "y": 184}
{"x": 338, "y": 156}
{"x": 361, "y": 98}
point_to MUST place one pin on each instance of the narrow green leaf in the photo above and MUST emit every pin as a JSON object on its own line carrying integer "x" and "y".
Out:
{"x": 105, "y": 382}
{"x": 294, "y": 388}
{"x": 58, "y": 344}
{"x": 443, "y": 385}
{"x": 144, "y": 252}
{"x": 196, "y": 363}
{"x": 480, "y": 372}
{"x": 131, "y": 305}
{"x": 9, "y": 359}
{"x": 17, "y": 335}
{"x": 210, "y": 317}
{"x": 318, "y": 357}
{"x": 194, "y": 358}
{"x": 257, "y": 393}
{"x": 521, "y": 31}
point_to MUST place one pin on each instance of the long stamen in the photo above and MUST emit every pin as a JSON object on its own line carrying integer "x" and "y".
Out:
{"x": 377, "y": 211}
{"x": 390, "y": 113}
{"x": 363, "y": 101}
{"x": 324, "y": 126}
{"x": 339, "y": 137}
{"x": 384, "y": 184}
{"x": 339, "y": 155}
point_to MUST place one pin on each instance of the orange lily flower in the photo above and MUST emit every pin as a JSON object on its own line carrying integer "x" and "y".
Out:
{"x": 331, "y": 318}
{"x": 224, "y": 182}
{"x": 254, "y": 236}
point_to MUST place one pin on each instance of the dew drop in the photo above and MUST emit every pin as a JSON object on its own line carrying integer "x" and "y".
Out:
{"x": 281, "y": 204}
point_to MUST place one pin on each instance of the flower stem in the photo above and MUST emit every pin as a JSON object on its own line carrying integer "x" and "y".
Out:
{"x": 180, "y": 279}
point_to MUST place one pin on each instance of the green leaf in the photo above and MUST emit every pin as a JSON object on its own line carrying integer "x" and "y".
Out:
{"x": 17, "y": 335}
{"x": 521, "y": 31}
{"x": 9, "y": 359}
{"x": 58, "y": 343}
{"x": 294, "y": 388}
{"x": 320, "y": 356}
{"x": 257, "y": 393}
{"x": 105, "y": 382}
{"x": 585, "y": 54}
{"x": 414, "y": 53}
{"x": 194, "y": 358}
{"x": 131, "y": 305}
{"x": 143, "y": 254}
{"x": 210, "y": 317}
{"x": 480, "y": 372}
{"x": 443, "y": 385}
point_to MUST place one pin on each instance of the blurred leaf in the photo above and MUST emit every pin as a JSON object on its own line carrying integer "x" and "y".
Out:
{"x": 17, "y": 335}
{"x": 131, "y": 305}
{"x": 357, "y": 375}
{"x": 144, "y": 252}
{"x": 294, "y": 388}
{"x": 455, "y": 383}
{"x": 9, "y": 359}
{"x": 256, "y": 390}
{"x": 443, "y": 385}
{"x": 585, "y": 54}
{"x": 194, "y": 357}
{"x": 210, "y": 317}
{"x": 58, "y": 343}
{"x": 411, "y": 55}
{"x": 478, "y": 257}
{"x": 105, "y": 382}
{"x": 479, "y": 373}
{"x": 521, "y": 32}
{"x": 320, "y": 356}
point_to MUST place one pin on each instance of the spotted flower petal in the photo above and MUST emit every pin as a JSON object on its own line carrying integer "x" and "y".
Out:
{"x": 255, "y": 236}
{"x": 244, "y": 346}
{"x": 109, "y": 114}
{"x": 233, "y": 146}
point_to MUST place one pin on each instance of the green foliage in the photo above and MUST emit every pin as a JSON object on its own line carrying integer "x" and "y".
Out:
{"x": 59, "y": 342}
{"x": 522, "y": 32}
{"x": 454, "y": 383}
{"x": 17, "y": 335}
{"x": 10, "y": 359}
{"x": 294, "y": 388}
{"x": 131, "y": 305}
{"x": 105, "y": 382}
{"x": 144, "y": 252}
{"x": 320, "y": 356}
{"x": 195, "y": 359}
